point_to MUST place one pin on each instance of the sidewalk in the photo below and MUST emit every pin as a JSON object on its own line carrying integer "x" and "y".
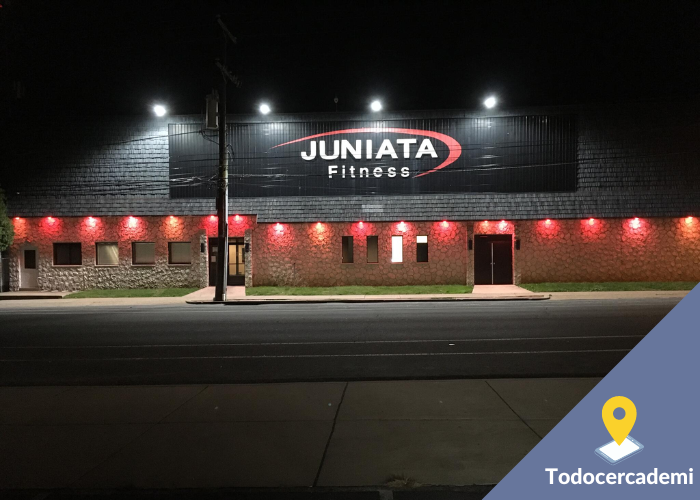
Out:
{"x": 444, "y": 432}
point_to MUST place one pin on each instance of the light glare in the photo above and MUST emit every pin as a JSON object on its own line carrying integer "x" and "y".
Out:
{"x": 490, "y": 102}
{"x": 264, "y": 109}
{"x": 376, "y": 106}
{"x": 159, "y": 110}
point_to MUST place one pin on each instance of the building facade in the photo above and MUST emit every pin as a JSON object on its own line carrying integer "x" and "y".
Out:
{"x": 525, "y": 196}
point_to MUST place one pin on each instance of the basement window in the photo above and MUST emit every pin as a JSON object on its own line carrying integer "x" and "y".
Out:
{"x": 421, "y": 249}
{"x": 107, "y": 254}
{"x": 372, "y": 249}
{"x": 179, "y": 252}
{"x": 397, "y": 249}
{"x": 347, "y": 250}
{"x": 67, "y": 254}
{"x": 143, "y": 253}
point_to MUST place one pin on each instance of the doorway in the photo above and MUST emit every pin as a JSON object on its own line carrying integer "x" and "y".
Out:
{"x": 493, "y": 259}
{"x": 236, "y": 261}
{"x": 28, "y": 274}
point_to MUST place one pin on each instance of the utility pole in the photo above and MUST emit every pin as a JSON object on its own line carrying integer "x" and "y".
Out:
{"x": 222, "y": 184}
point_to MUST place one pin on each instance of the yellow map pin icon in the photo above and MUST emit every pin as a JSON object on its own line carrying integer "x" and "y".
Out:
{"x": 619, "y": 429}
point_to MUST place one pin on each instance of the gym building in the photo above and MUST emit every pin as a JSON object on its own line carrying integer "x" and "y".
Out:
{"x": 567, "y": 194}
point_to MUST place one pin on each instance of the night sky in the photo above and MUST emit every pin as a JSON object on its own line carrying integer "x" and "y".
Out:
{"x": 104, "y": 57}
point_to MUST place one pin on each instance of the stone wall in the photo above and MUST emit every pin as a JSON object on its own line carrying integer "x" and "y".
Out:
{"x": 653, "y": 249}
{"x": 311, "y": 254}
{"x": 42, "y": 233}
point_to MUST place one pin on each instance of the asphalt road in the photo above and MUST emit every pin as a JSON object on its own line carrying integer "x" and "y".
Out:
{"x": 245, "y": 343}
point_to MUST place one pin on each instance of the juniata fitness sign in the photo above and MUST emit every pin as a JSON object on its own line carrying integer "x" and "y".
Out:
{"x": 409, "y": 156}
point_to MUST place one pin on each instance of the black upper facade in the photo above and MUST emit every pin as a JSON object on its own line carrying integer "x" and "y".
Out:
{"x": 626, "y": 160}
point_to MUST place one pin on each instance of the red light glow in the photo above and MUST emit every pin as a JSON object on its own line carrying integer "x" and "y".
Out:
{"x": 361, "y": 224}
{"x": 213, "y": 217}
{"x": 278, "y": 227}
{"x": 91, "y": 221}
{"x": 132, "y": 221}
{"x": 502, "y": 225}
{"x": 689, "y": 220}
{"x": 237, "y": 218}
{"x": 445, "y": 224}
{"x": 591, "y": 221}
{"x": 548, "y": 222}
{"x": 402, "y": 226}
{"x": 635, "y": 223}
{"x": 17, "y": 218}
{"x": 50, "y": 220}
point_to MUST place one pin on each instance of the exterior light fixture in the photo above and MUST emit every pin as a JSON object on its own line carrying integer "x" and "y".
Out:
{"x": 278, "y": 226}
{"x": 635, "y": 223}
{"x": 264, "y": 108}
{"x": 376, "y": 106}
{"x": 237, "y": 218}
{"x": 502, "y": 225}
{"x": 402, "y": 226}
{"x": 159, "y": 110}
{"x": 16, "y": 218}
{"x": 490, "y": 102}
{"x": 445, "y": 223}
{"x": 213, "y": 217}
{"x": 548, "y": 222}
{"x": 688, "y": 220}
{"x": 591, "y": 221}
{"x": 361, "y": 224}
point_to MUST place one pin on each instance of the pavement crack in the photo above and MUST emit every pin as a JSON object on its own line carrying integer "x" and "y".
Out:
{"x": 330, "y": 436}
{"x": 511, "y": 409}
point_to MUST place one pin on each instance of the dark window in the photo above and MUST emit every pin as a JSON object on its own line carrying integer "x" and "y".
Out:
{"x": 179, "y": 252}
{"x": 30, "y": 259}
{"x": 372, "y": 249}
{"x": 422, "y": 249}
{"x": 67, "y": 254}
{"x": 347, "y": 250}
{"x": 143, "y": 253}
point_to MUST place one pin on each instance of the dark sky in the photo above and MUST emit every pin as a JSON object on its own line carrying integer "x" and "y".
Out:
{"x": 107, "y": 57}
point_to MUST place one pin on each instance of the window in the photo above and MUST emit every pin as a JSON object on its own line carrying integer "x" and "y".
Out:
{"x": 397, "y": 249}
{"x": 347, "y": 250}
{"x": 179, "y": 252}
{"x": 422, "y": 249}
{"x": 372, "y": 249}
{"x": 30, "y": 259}
{"x": 143, "y": 253}
{"x": 67, "y": 254}
{"x": 107, "y": 254}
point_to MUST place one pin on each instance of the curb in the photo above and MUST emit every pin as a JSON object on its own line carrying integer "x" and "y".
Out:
{"x": 376, "y": 299}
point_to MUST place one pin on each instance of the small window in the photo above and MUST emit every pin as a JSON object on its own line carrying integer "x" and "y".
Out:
{"x": 107, "y": 254}
{"x": 422, "y": 249}
{"x": 397, "y": 249}
{"x": 179, "y": 252}
{"x": 67, "y": 254}
{"x": 143, "y": 253}
{"x": 347, "y": 250}
{"x": 30, "y": 259}
{"x": 372, "y": 249}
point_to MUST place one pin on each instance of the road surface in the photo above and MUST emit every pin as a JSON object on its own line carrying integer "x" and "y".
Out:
{"x": 245, "y": 343}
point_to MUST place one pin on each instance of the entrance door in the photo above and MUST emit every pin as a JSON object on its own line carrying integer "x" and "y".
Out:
{"x": 493, "y": 259}
{"x": 236, "y": 261}
{"x": 28, "y": 271}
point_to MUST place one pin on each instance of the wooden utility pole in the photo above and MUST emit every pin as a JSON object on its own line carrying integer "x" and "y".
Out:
{"x": 222, "y": 184}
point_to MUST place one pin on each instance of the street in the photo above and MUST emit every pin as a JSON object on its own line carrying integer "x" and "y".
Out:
{"x": 313, "y": 342}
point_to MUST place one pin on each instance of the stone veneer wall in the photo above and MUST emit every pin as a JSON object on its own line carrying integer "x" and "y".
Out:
{"x": 659, "y": 249}
{"x": 303, "y": 254}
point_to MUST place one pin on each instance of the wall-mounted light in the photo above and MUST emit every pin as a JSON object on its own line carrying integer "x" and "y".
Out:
{"x": 159, "y": 110}
{"x": 591, "y": 221}
{"x": 445, "y": 224}
{"x": 490, "y": 102}
{"x": 361, "y": 224}
{"x": 548, "y": 222}
{"x": 237, "y": 218}
{"x": 688, "y": 220}
{"x": 401, "y": 226}
{"x": 264, "y": 108}
{"x": 376, "y": 106}
{"x": 502, "y": 225}
{"x": 635, "y": 223}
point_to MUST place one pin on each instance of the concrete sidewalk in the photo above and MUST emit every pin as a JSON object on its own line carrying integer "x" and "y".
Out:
{"x": 446, "y": 432}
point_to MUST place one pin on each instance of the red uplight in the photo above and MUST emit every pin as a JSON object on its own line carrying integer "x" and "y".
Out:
{"x": 213, "y": 217}
{"x": 591, "y": 221}
{"x": 91, "y": 221}
{"x": 319, "y": 225}
{"x": 635, "y": 223}
{"x": 445, "y": 223}
{"x": 50, "y": 219}
{"x": 132, "y": 221}
{"x": 548, "y": 222}
{"x": 361, "y": 224}
{"x": 237, "y": 218}
{"x": 688, "y": 220}
{"x": 278, "y": 227}
{"x": 503, "y": 224}
{"x": 402, "y": 226}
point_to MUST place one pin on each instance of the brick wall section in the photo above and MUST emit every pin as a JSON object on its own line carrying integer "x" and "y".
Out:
{"x": 310, "y": 254}
{"x": 663, "y": 249}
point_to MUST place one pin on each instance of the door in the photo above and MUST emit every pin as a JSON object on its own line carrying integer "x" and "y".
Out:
{"x": 236, "y": 262}
{"x": 493, "y": 259}
{"x": 28, "y": 269}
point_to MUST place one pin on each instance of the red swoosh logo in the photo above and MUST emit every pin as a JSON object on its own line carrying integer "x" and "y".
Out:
{"x": 454, "y": 147}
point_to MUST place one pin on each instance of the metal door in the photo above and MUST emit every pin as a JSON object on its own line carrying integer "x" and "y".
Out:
{"x": 28, "y": 277}
{"x": 493, "y": 259}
